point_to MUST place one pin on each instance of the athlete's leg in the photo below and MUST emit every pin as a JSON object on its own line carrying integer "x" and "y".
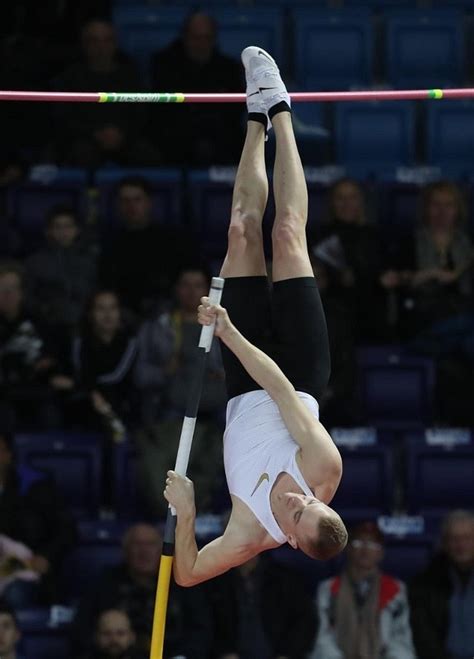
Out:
{"x": 290, "y": 250}
{"x": 246, "y": 294}
{"x": 299, "y": 325}
{"x": 245, "y": 256}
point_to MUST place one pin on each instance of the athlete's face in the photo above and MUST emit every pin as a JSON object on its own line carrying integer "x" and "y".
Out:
{"x": 302, "y": 514}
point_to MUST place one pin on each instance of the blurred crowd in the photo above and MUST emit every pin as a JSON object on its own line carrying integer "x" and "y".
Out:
{"x": 98, "y": 333}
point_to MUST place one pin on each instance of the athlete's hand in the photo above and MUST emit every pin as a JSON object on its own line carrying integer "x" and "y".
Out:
{"x": 179, "y": 492}
{"x": 213, "y": 313}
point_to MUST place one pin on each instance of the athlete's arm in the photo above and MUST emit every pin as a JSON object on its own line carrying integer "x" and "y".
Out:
{"x": 192, "y": 566}
{"x": 306, "y": 430}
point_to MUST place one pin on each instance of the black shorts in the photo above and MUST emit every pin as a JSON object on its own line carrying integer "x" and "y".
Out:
{"x": 287, "y": 323}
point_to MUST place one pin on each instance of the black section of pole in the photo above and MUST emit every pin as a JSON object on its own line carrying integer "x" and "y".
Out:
{"x": 170, "y": 527}
{"x": 195, "y": 388}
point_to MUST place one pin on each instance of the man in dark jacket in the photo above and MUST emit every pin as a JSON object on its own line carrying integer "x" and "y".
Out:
{"x": 61, "y": 275}
{"x": 262, "y": 611}
{"x": 442, "y": 596}
{"x": 142, "y": 260}
{"x": 131, "y": 587}
{"x": 97, "y": 135}
{"x": 31, "y": 513}
{"x": 198, "y": 134}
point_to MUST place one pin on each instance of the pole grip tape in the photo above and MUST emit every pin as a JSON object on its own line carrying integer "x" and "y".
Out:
{"x": 215, "y": 295}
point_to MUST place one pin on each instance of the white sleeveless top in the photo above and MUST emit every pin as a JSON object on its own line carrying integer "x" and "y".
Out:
{"x": 257, "y": 448}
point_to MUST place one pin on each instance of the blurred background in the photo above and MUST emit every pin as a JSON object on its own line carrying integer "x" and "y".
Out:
{"x": 114, "y": 217}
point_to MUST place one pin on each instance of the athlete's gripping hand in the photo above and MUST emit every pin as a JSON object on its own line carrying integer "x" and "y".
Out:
{"x": 213, "y": 313}
{"x": 179, "y": 492}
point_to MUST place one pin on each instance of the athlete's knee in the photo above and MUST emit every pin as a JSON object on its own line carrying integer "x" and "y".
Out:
{"x": 289, "y": 232}
{"x": 245, "y": 230}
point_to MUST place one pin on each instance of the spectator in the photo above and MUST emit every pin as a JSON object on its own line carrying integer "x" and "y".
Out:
{"x": 168, "y": 351}
{"x": 9, "y": 632}
{"x": 435, "y": 277}
{"x": 442, "y": 596}
{"x": 115, "y": 637}
{"x": 98, "y": 370}
{"x": 198, "y": 134}
{"x": 131, "y": 587}
{"x": 350, "y": 245}
{"x": 142, "y": 260}
{"x": 262, "y": 611}
{"x": 60, "y": 276}
{"x": 436, "y": 265}
{"x": 36, "y": 531}
{"x": 337, "y": 405}
{"x": 99, "y": 135}
{"x": 25, "y": 359}
{"x": 363, "y": 612}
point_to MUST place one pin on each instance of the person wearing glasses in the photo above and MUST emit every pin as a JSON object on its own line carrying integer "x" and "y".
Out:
{"x": 363, "y": 613}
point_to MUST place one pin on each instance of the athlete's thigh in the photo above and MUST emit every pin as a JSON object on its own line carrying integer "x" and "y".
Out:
{"x": 248, "y": 303}
{"x": 300, "y": 332}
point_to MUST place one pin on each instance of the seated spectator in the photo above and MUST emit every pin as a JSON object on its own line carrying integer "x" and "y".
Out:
{"x": 61, "y": 276}
{"x": 98, "y": 135}
{"x": 25, "y": 357}
{"x": 363, "y": 612}
{"x": 434, "y": 275}
{"x": 198, "y": 134}
{"x": 442, "y": 596}
{"x": 131, "y": 587}
{"x": 167, "y": 354}
{"x": 96, "y": 371}
{"x": 142, "y": 260}
{"x": 337, "y": 404}
{"x": 435, "y": 268}
{"x": 36, "y": 531}
{"x": 115, "y": 638}
{"x": 350, "y": 245}
{"x": 262, "y": 611}
{"x": 9, "y": 632}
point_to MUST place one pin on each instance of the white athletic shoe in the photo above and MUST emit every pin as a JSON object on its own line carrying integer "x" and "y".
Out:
{"x": 255, "y": 102}
{"x": 262, "y": 70}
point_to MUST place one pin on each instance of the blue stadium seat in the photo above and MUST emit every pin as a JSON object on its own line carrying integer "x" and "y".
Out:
{"x": 144, "y": 29}
{"x": 450, "y": 135}
{"x": 334, "y": 48}
{"x": 405, "y": 557}
{"x": 126, "y": 494}
{"x": 239, "y": 27}
{"x": 98, "y": 547}
{"x": 424, "y": 48}
{"x": 42, "y": 636}
{"x": 440, "y": 478}
{"x": 29, "y": 203}
{"x": 378, "y": 4}
{"x": 73, "y": 459}
{"x": 366, "y": 490}
{"x": 395, "y": 388}
{"x": 370, "y": 136}
{"x": 397, "y": 211}
{"x": 166, "y": 189}
{"x": 211, "y": 199}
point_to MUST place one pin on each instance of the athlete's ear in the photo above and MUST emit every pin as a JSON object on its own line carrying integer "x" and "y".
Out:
{"x": 292, "y": 541}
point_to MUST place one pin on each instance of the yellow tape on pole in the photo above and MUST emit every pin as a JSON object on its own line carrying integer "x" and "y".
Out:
{"x": 161, "y": 606}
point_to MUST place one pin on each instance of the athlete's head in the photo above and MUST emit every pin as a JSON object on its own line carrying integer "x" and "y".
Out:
{"x": 314, "y": 527}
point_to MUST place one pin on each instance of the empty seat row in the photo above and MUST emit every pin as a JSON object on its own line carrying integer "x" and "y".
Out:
{"x": 331, "y": 48}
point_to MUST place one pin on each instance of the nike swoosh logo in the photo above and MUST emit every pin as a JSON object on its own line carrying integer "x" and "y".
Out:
{"x": 262, "y": 89}
{"x": 260, "y": 52}
{"x": 263, "y": 477}
{"x": 253, "y": 93}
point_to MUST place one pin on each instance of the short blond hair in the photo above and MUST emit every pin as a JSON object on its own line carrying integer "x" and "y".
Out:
{"x": 331, "y": 538}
